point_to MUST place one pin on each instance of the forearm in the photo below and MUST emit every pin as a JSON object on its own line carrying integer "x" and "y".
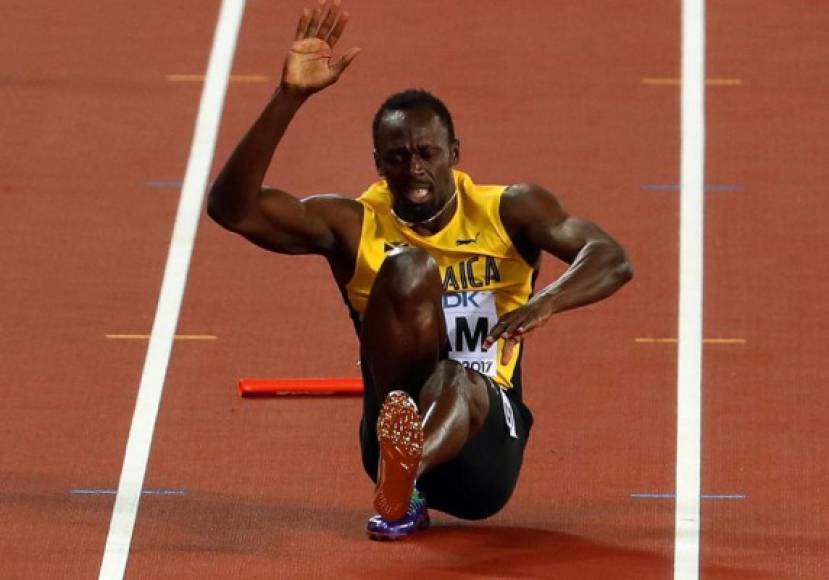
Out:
{"x": 600, "y": 268}
{"x": 237, "y": 187}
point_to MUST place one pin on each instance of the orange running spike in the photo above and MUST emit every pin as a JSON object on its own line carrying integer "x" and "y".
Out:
{"x": 302, "y": 387}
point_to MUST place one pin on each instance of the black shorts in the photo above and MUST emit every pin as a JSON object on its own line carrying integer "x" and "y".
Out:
{"x": 477, "y": 483}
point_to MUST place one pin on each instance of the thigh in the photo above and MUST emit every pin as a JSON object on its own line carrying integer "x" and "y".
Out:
{"x": 480, "y": 480}
{"x": 402, "y": 331}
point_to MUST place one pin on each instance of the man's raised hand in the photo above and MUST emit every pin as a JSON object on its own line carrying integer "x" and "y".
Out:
{"x": 310, "y": 66}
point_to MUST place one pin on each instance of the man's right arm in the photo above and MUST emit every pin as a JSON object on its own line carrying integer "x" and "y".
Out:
{"x": 269, "y": 218}
{"x": 272, "y": 218}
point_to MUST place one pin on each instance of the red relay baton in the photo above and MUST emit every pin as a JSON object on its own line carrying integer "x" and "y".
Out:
{"x": 303, "y": 387}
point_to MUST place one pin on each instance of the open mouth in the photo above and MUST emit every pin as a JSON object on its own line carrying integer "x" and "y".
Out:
{"x": 418, "y": 194}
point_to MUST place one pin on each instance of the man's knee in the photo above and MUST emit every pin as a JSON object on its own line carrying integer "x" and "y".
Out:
{"x": 409, "y": 272}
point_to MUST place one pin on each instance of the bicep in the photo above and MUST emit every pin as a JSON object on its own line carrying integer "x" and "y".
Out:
{"x": 537, "y": 221}
{"x": 288, "y": 225}
{"x": 566, "y": 237}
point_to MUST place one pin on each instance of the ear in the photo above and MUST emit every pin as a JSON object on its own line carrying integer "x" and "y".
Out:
{"x": 377, "y": 164}
{"x": 456, "y": 152}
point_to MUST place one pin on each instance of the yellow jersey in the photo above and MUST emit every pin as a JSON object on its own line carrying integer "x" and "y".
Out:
{"x": 483, "y": 274}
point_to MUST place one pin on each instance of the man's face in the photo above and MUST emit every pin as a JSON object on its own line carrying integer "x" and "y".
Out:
{"x": 415, "y": 156}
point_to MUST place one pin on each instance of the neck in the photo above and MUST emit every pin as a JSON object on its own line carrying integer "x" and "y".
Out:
{"x": 430, "y": 221}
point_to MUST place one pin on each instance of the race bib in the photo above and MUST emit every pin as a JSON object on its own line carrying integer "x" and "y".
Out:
{"x": 469, "y": 317}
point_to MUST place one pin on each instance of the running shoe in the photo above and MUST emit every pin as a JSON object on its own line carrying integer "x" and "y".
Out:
{"x": 400, "y": 434}
{"x": 416, "y": 518}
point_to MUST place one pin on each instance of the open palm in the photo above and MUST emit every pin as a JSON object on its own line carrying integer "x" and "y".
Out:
{"x": 310, "y": 65}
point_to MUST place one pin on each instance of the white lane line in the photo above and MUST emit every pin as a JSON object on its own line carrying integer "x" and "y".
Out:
{"x": 717, "y": 496}
{"x": 116, "y": 551}
{"x": 709, "y": 82}
{"x": 653, "y": 340}
{"x": 689, "y": 364}
{"x": 98, "y": 491}
{"x": 233, "y": 78}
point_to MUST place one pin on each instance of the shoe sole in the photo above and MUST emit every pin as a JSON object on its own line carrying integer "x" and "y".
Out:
{"x": 400, "y": 434}
{"x": 392, "y": 537}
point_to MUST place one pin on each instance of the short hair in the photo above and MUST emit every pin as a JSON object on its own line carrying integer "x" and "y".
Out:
{"x": 414, "y": 99}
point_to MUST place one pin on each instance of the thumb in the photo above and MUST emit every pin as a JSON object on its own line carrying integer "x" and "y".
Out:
{"x": 345, "y": 60}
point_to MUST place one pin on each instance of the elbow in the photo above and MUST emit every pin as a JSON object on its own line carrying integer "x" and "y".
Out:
{"x": 624, "y": 269}
{"x": 218, "y": 211}
{"x": 219, "y": 218}
{"x": 213, "y": 210}
{"x": 615, "y": 262}
{"x": 213, "y": 197}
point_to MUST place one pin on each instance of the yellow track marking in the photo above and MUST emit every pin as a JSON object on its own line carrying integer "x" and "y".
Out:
{"x": 709, "y": 82}
{"x": 233, "y": 78}
{"x": 176, "y": 337}
{"x": 704, "y": 340}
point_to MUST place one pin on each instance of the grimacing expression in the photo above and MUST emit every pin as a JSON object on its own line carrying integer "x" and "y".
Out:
{"x": 414, "y": 154}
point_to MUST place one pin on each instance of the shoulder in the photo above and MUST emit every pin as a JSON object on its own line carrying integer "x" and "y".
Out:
{"x": 526, "y": 204}
{"x": 334, "y": 208}
{"x": 341, "y": 214}
{"x": 532, "y": 216}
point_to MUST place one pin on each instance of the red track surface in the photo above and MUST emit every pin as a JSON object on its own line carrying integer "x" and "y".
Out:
{"x": 542, "y": 91}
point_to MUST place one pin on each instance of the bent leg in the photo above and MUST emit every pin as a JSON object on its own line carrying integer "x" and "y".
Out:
{"x": 477, "y": 483}
{"x": 403, "y": 343}
{"x": 455, "y": 404}
{"x": 403, "y": 331}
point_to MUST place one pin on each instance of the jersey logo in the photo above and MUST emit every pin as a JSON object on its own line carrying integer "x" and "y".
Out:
{"x": 389, "y": 246}
{"x": 467, "y": 241}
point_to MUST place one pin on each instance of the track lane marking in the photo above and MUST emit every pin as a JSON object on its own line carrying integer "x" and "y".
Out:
{"x": 162, "y": 184}
{"x": 97, "y": 491}
{"x": 174, "y": 184}
{"x": 710, "y": 496}
{"x": 691, "y": 270}
{"x": 673, "y": 82}
{"x": 177, "y": 78}
{"x": 649, "y": 340}
{"x": 674, "y": 187}
{"x": 131, "y": 482}
{"x": 175, "y": 337}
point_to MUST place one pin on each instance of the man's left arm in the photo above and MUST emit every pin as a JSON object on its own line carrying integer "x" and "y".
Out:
{"x": 536, "y": 222}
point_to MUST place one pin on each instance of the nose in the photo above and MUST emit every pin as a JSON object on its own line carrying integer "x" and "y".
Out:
{"x": 415, "y": 164}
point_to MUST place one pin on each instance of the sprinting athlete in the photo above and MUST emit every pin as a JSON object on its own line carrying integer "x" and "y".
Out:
{"x": 438, "y": 273}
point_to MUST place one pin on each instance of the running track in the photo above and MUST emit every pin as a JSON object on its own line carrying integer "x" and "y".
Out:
{"x": 551, "y": 92}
